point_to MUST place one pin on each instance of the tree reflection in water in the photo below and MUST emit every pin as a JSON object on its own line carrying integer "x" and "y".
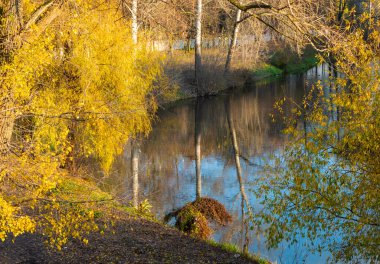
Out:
{"x": 168, "y": 161}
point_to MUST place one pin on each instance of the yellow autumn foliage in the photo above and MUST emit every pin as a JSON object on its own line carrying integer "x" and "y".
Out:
{"x": 77, "y": 89}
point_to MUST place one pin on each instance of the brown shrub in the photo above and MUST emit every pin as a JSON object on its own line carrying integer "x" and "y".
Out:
{"x": 212, "y": 210}
{"x": 193, "y": 218}
{"x": 192, "y": 222}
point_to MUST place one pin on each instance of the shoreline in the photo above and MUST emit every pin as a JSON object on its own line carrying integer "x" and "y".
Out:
{"x": 239, "y": 77}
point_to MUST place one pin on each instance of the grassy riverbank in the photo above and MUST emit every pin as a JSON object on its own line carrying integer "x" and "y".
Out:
{"x": 266, "y": 71}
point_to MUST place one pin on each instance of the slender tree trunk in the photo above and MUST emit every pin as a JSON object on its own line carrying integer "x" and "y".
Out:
{"x": 134, "y": 21}
{"x": 197, "y": 141}
{"x": 232, "y": 46}
{"x": 188, "y": 44}
{"x": 198, "y": 48}
{"x": 7, "y": 119}
{"x": 7, "y": 114}
{"x": 135, "y": 151}
{"x": 19, "y": 14}
{"x": 331, "y": 94}
{"x": 135, "y": 172}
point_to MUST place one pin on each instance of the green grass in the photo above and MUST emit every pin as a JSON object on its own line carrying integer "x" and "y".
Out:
{"x": 234, "y": 249}
{"x": 266, "y": 71}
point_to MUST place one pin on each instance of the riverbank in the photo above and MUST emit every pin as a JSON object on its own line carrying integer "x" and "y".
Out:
{"x": 125, "y": 235}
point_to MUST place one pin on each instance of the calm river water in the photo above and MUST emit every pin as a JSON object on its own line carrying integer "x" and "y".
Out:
{"x": 167, "y": 160}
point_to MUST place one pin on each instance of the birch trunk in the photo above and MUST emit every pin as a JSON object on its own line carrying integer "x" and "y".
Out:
{"x": 135, "y": 172}
{"x": 232, "y": 45}
{"x": 7, "y": 119}
{"x": 134, "y": 21}
{"x": 198, "y": 48}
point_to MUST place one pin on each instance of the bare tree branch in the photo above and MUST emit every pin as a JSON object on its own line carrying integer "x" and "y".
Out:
{"x": 38, "y": 13}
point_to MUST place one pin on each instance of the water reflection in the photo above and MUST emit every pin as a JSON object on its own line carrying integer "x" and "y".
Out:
{"x": 245, "y": 205}
{"x": 197, "y": 145}
{"x": 216, "y": 146}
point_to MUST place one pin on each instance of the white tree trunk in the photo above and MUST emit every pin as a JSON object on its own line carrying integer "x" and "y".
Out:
{"x": 198, "y": 47}
{"x": 135, "y": 173}
{"x": 134, "y": 21}
{"x": 232, "y": 46}
{"x": 7, "y": 119}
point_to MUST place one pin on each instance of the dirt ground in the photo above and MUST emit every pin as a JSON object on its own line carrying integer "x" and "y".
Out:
{"x": 134, "y": 241}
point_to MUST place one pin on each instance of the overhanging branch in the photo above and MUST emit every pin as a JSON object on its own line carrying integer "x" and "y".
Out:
{"x": 253, "y": 5}
{"x": 38, "y": 13}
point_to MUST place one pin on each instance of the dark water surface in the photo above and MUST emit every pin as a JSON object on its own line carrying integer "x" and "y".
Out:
{"x": 167, "y": 158}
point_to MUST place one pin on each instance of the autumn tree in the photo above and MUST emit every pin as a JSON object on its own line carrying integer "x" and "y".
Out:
{"x": 73, "y": 86}
{"x": 327, "y": 179}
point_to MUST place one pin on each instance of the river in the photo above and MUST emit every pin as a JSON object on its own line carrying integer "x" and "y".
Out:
{"x": 167, "y": 158}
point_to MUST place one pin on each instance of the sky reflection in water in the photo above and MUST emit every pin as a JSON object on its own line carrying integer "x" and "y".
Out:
{"x": 167, "y": 167}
